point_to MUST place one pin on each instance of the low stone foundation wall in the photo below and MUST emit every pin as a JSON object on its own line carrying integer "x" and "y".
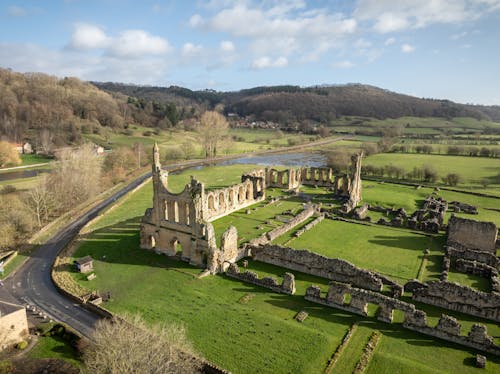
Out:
{"x": 318, "y": 265}
{"x": 360, "y": 299}
{"x": 447, "y": 329}
{"x": 459, "y": 298}
{"x": 458, "y": 251}
{"x": 475, "y": 268}
{"x": 269, "y": 236}
{"x": 287, "y": 287}
{"x": 309, "y": 226}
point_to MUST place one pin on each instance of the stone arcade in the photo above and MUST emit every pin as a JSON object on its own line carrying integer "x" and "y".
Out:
{"x": 181, "y": 222}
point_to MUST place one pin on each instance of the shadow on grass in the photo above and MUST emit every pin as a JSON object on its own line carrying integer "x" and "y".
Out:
{"x": 401, "y": 242}
{"x": 120, "y": 244}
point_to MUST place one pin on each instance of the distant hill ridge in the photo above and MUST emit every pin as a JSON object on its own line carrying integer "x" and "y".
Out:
{"x": 318, "y": 103}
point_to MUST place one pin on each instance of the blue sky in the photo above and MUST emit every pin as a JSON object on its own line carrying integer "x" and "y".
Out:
{"x": 428, "y": 48}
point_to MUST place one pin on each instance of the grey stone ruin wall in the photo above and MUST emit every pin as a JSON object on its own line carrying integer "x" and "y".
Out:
{"x": 269, "y": 236}
{"x": 460, "y": 252}
{"x": 472, "y": 234}
{"x": 459, "y": 298}
{"x": 447, "y": 329}
{"x": 359, "y": 300}
{"x": 475, "y": 268}
{"x": 318, "y": 265}
{"x": 286, "y": 287}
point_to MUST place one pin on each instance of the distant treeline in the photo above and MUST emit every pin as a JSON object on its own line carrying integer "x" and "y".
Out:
{"x": 455, "y": 150}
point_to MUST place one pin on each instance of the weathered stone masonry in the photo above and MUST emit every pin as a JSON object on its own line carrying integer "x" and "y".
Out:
{"x": 448, "y": 328}
{"x": 182, "y": 220}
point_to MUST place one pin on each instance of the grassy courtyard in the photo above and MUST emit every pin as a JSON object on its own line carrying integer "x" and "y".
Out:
{"x": 394, "y": 252}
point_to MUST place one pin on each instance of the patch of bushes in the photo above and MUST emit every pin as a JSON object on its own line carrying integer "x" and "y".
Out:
{"x": 22, "y": 345}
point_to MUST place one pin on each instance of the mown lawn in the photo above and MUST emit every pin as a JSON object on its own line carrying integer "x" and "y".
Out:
{"x": 393, "y": 252}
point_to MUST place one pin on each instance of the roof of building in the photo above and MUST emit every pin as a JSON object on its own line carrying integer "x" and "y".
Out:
{"x": 7, "y": 308}
{"x": 84, "y": 260}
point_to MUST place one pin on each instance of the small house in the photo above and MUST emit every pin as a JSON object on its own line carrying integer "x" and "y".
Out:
{"x": 84, "y": 264}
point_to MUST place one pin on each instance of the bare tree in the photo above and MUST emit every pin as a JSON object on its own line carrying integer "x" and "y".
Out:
{"x": 46, "y": 139}
{"x": 212, "y": 129}
{"x": 8, "y": 155}
{"x": 134, "y": 347}
{"x": 41, "y": 202}
{"x": 76, "y": 177}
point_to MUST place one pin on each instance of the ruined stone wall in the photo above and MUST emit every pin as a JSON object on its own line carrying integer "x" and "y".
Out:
{"x": 316, "y": 264}
{"x": 448, "y": 328}
{"x": 309, "y": 226}
{"x": 475, "y": 268}
{"x": 459, "y": 298}
{"x": 472, "y": 234}
{"x": 287, "y": 179}
{"x": 460, "y": 252}
{"x": 360, "y": 298}
{"x": 224, "y": 201}
{"x": 286, "y": 287}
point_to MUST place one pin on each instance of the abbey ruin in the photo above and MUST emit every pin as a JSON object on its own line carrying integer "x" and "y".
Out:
{"x": 184, "y": 219}
{"x": 180, "y": 224}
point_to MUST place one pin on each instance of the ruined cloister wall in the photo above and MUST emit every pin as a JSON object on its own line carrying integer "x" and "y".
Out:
{"x": 459, "y": 298}
{"x": 316, "y": 264}
{"x": 448, "y": 328}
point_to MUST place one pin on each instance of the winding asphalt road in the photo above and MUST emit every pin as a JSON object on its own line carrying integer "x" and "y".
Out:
{"x": 31, "y": 284}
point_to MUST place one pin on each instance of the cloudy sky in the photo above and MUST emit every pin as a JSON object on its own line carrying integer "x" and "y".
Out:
{"x": 427, "y": 48}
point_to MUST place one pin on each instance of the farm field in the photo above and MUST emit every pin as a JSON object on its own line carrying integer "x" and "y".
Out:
{"x": 242, "y": 140}
{"x": 394, "y": 195}
{"x": 471, "y": 169}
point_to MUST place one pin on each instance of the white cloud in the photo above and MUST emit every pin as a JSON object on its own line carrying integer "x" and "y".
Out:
{"x": 227, "y": 46}
{"x": 346, "y": 64}
{"x": 30, "y": 57}
{"x": 191, "y": 50}
{"x": 87, "y": 36}
{"x": 390, "y": 22}
{"x": 136, "y": 43}
{"x": 389, "y": 16}
{"x": 129, "y": 43}
{"x": 267, "y": 62}
{"x": 390, "y": 41}
{"x": 196, "y": 21}
{"x": 407, "y": 48}
{"x": 279, "y": 28}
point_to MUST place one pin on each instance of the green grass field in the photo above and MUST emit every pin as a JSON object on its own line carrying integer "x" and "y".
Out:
{"x": 471, "y": 169}
{"x": 396, "y": 253}
{"x": 246, "y": 337}
{"x": 55, "y": 347}
{"x": 395, "y": 196}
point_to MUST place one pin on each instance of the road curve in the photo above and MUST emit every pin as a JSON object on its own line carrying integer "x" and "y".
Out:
{"x": 31, "y": 284}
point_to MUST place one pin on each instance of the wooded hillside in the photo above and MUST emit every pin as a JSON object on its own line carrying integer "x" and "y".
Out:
{"x": 50, "y": 110}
